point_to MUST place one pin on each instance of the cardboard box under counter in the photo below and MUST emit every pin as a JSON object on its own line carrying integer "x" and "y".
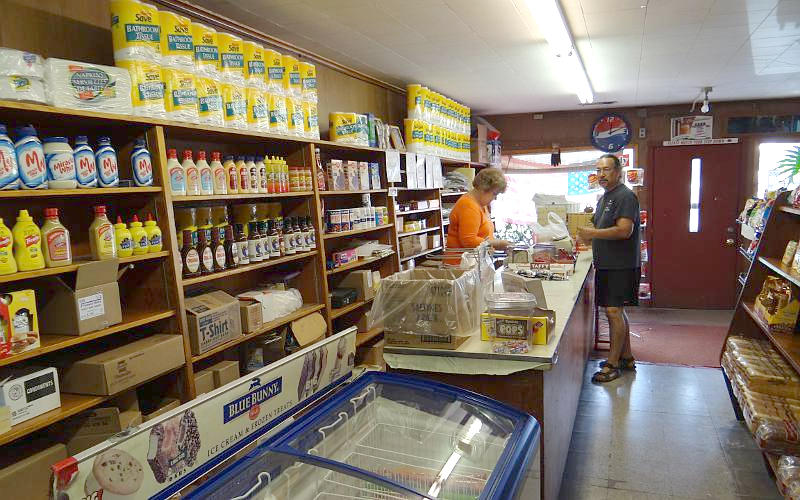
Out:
{"x": 165, "y": 405}
{"x": 113, "y": 371}
{"x": 90, "y": 303}
{"x": 372, "y": 355}
{"x": 203, "y": 381}
{"x": 252, "y": 317}
{"x": 213, "y": 319}
{"x": 29, "y": 478}
{"x": 224, "y": 372}
{"x": 361, "y": 281}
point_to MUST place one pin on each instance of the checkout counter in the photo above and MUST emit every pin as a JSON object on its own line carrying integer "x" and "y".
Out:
{"x": 545, "y": 382}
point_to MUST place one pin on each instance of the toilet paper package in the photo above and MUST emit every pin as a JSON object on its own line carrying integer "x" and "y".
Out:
{"x": 147, "y": 88}
{"x": 209, "y": 102}
{"x": 294, "y": 116}
{"x": 274, "y": 62}
{"x": 291, "y": 76}
{"x": 206, "y": 50}
{"x": 277, "y": 113}
{"x": 257, "y": 109}
{"x": 254, "y": 65}
{"x": 177, "y": 49}
{"x": 308, "y": 80}
{"x": 234, "y": 105}
{"x": 310, "y": 119}
{"x": 22, "y": 88}
{"x": 18, "y": 63}
{"x": 231, "y": 58}
{"x": 135, "y": 31}
{"x": 180, "y": 99}
{"x": 78, "y": 85}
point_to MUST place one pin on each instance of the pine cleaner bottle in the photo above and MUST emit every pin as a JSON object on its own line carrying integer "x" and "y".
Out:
{"x": 177, "y": 178}
{"x": 218, "y": 174}
{"x": 231, "y": 175}
{"x": 30, "y": 159}
{"x": 141, "y": 243}
{"x": 191, "y": 173}
{"x": 107, "y": 166}
{"x": 141, "y": 164}
{"x": 85, "y": 166}
{"x": 27, "y": 243}
{"x": 153, "y": 234}
{"x": 57, "y": 249}
{"x": 8, "y": 264}
{"x": 123, "y": 239}
{"x": 206, "y": 177}
{"x": 101, "y": 236}
{"x": 9, "y": 171}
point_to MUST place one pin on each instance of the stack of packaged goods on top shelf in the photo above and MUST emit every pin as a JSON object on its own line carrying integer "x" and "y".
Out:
{"x": 436, "y": 125}
{"x": 29, "y": 164}
{"x": 189, "y": 72}
{"x": 239, "y": 174}
{"x": 768, "y": 391}
{"x": 351, "y": 176}
{"x": 21, "y": 76}
{"x": 777, "y": 305}
{"x": 754, "y": 218}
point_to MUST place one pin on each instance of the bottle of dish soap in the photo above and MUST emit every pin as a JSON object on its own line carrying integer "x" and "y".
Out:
{"x": 123, "y": 239}
{"x": 8, "y": 265}
{"x": 101, "y": 236}
{"x": 27, "y": 243}
{"x": 153, "y": 234}
{"x": 107, "y": 166}
{"x": 85, "y": 166}
{"x": 57, "y": 249}
{"x": 141, "y": 164}
{"x": 177, "y": 178}
{"x": 139, "y": 237}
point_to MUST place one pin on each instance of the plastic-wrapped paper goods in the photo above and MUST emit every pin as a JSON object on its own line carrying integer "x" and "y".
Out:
{"x": 78, "y": 85}
{"x": 18, "y": 63}
{"x": 147, "y": 88}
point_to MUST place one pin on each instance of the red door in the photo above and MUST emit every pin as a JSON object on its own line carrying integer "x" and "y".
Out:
{"x": 696, "y": 196}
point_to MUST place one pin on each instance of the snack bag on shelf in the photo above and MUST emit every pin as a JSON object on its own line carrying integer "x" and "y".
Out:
{"x": 777, "y": 305}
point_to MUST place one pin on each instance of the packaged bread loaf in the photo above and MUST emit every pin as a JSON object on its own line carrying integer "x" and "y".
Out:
{"x": 787, "y": 474}
{"x": 78, "y": 85}
{"x": 772, "y": 420}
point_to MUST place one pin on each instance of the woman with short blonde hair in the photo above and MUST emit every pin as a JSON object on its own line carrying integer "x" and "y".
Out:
{"x": 470, "y": 224}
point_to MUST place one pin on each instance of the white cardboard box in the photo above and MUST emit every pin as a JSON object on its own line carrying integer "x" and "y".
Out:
{"x": 29, "y": 394}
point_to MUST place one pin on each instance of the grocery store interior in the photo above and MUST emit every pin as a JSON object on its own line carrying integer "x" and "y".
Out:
{"x": 440, "y": 249}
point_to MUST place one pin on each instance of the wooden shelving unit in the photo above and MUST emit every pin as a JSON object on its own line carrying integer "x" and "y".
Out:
{"x": 344, "y": 234}
{"x": 78, "y": 193}
{"x": 243, "y": 196}
{"x": 341, "y": 311}
{"x": 421, "y": 254}
{"x": 421, "y": 231}
{"x": 346, "y": 193}
{"x": 355, "y": 265}
{"x": 366, "y": 337}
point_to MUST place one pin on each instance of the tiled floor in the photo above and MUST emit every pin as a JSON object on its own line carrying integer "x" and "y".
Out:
{"x": 662, "y": 432}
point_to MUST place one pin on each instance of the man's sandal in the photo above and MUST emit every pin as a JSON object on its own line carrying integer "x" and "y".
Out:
{"x": 624, "y": 364}
{"x": 606, "y": 374}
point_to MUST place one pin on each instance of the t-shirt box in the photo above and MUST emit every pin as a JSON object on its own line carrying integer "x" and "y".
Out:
{"x": 30, "y": 392}
{"x": 113, "y": 371}
{"x": 214, "y": 319}
{"x": 29, "y": 478}
{"x": 90, "y": 303}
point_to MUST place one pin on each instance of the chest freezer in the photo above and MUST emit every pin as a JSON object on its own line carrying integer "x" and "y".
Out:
{"x": 392, "y": 437}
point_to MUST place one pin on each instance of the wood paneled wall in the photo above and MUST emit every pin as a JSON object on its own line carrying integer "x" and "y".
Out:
{"x": 570, "y": 129}
{"x": 80, "y": 30}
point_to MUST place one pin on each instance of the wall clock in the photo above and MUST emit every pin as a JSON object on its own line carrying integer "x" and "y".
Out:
{"x": 611, "y": 132}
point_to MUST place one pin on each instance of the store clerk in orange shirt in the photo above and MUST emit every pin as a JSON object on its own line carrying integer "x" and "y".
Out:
{"x": 470, "y": 224}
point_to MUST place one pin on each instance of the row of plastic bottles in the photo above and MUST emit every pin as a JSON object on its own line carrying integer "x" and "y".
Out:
{"x": 28, "y": 163}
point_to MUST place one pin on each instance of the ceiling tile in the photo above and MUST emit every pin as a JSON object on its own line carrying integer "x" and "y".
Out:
{"x": 624, "y": 22}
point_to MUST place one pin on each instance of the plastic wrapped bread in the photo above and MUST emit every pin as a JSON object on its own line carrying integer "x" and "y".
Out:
{"x": 22, "y": 88}
{"x": 78, "y": 85}
{"x": 774, "y": 421}
{"x": 760, "y": 367}
{"x": 787, "y": 475}
{"x": 18, "y": 63}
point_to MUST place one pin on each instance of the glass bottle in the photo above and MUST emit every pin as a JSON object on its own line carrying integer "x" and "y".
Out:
{"x": 231, "y": 249}
{"x": 189, "y": 256}
{"x": 262, "y": 231}
{"x": 254, "y": 243}
{"x": 205, "y": 253}
{"x": 241, "y": 244}
{"x": 218, "y": 251}
{"x": 299, "y": 237}
{"x": 273, "y": 240}
{"x": 288, "y": 237}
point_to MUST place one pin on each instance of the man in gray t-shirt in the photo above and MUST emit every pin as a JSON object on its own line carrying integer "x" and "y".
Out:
{"x": 617, "y": 259}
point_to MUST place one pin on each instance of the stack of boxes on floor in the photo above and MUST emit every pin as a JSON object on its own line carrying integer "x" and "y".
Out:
{"x": 768, "y": 391}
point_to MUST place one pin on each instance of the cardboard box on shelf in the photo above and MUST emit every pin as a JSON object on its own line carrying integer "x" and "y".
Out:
{"x": 361, "y": 281}
{"x": 308, "y": 330}
{"x": 19, "y": 323}
{"x": 113, "y": 371}
{"x": 426, "y": 341}
{"x": 92, "y": 303}
{"x": 363, "y": 175}
{"x": 434, "y": 240}
{"x": 30, "y": 392}
{"x": 375, "y": 175}
{"x": 166, "y": 404}
{"x": 224, "y": 372}
{"x": 203, "y": 381}
{"x": 102, "y": 424}
{"x": 263, "y": 350}
{"x": 213, "y": 319}
{"x": 372, "y": 355}
{"x": 344, "y": 256}
{"x": 30, "y": 477}
{"x": 363, "y": 323}
{"x": 251, "y": 315}
{"x": 351, "y": 176}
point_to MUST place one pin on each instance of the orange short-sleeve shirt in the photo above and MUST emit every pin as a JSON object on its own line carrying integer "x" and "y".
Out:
{"x": 470, "y": 224}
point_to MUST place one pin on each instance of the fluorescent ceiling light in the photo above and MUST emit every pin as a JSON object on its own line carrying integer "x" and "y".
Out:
{"x": 550, "y": 19}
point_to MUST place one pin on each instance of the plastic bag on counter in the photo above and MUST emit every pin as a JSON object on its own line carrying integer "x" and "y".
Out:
{"x": 274, "y": 303}
{"x": 422, "y": 301}
{"x": 554, "y": 230}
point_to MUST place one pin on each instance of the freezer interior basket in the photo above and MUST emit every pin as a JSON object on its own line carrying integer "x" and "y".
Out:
{"x": 391, "y": 437}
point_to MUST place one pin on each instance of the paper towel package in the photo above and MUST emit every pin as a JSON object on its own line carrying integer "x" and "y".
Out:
{"x": 77, "y": 85}
{"x": 22, "y": 88}
{"x": 18, "y": 63}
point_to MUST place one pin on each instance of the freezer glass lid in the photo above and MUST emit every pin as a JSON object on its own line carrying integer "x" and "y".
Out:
{"x": 276, "y": 476}
{"x": 431, "y": 442}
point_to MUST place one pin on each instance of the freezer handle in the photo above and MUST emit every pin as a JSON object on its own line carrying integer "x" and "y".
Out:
{"x": 342, "y": 415}
{"x": 261, "y": 476}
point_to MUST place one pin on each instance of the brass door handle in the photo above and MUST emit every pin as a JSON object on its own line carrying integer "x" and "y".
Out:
{"x": 730, "y": 242}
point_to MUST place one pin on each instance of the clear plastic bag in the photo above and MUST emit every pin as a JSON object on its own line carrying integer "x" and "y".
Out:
{"x": 555, "y": 229}
{"x": 787, "y": 475}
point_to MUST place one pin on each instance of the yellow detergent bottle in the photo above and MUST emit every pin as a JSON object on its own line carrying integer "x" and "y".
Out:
{"x": 8, "y": 265}
{"x": 139, "y": 236}
{"x": 124, "y": 239}
{"x": 153, "y": 234}
{"x": 101, "y": 236}
{"x": 27, "y": 243}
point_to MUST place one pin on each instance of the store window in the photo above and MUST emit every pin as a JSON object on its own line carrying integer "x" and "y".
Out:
{"x": 769, "y": 155}
{"x": 515, "y": 210}
{"x": 694, "y": 196}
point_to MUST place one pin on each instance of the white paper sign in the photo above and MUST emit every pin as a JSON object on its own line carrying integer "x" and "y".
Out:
{"x": 691, "y": 127}
{"x": 430, "y": 164}
{"x": 393, "y": 192}
{"x": 438, "y": 181}
{"x": 420, "y": 171}
{"x": 393, "y": 166}
{"x": 161, "y": 457}
{"x": 411, "y": 170}
{"x": 91, "y": 306}
{"x": 701, "y": 142}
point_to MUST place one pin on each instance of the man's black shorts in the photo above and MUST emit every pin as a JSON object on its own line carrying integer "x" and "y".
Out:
{"x": 617, "y": 287}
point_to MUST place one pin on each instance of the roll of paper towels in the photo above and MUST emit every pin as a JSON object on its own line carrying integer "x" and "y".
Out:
{"x": 78, "y": 85}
